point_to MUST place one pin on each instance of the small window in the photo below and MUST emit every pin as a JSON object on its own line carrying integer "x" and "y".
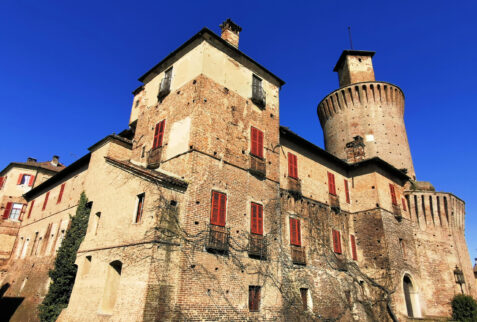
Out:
{"x": 45, "y": 201}
{"x": 337, "y": 242}
{"x": 258, "y": 94}
{"x": 403, "y": 247}
{"x": 347, "y": 191}
{"x": 13, "y": 211}
{"x": 304, "y": 298}
{"x": 165, "y": 86}
{"x": 353, "y": 247}
{"x": 393, "y": 194}
{"x": 139, "y": 208}
{"x": 292, "y": 166}
{"x": 295, "y": 232}
{"x": 219, "y": 207}
{"x": 159, "y": 134}
{"x": 257, "y": 142}
{"x": 24, "y": 179}
{"x": 257, "y": 219}
{"x": 254, "y": 298}
{"x": 60, "y": 195}
{"x": 331, "y": 184}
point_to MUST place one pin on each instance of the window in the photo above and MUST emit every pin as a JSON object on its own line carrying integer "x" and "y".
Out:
{"x": 2, "y": 181}
{"x": 257, "y": 143}
{"x": 13, "y": 211}
{"x": 304, "y": 298}
{"x": 139, "y": 207}
{"x": 347, "y": 191}
{"x": 292, "y": 166}
{"x": 111, "y": 287}
{"x": 257, "y": 219}
{"x": 258, "y": 94}
{"x": 165, "y": 86}
{"x": 331, "y": 184}
{"x": 31, "y": 208}
{"x": 159, "y": 134}
{"x": 353, "y": 247}
{"x": 219, "y": 206}
{"x": 25, "y": 179}
{"x": 96, "y": 222}
{"x": 295, "y": 232}
{"x": 403, "y": 204}
{"x": 337, "y": 242}
{"x": 403, "y": 247}
{"x": 45, "y": 201}
{"x": 393, "y": 194}
{"x": 254, "y": 298}
{"x": 62, "y": 189}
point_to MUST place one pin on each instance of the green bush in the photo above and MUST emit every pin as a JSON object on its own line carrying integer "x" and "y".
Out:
{"x": 464, "y": 308}
{"x": 64, "y": 273}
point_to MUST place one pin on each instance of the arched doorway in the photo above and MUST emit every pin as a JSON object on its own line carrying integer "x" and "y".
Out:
{"x": 411, "y": 297}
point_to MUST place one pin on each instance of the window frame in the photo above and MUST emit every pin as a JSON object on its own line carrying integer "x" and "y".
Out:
{"x": 139, "y": 209}
{"x": 158, "y": 137}
{"x": 292, "y": 166}
{"x": 254, "y": 298}
{"x": 295, "y": 238}
{"x": 392, "y": 189}
{"x": 259, "y": 221}
{"x": 256, "y": 149}
{"x": 337, "y": 241}
{"x": 221, "y": 215}
{"x": 331, "y": 184}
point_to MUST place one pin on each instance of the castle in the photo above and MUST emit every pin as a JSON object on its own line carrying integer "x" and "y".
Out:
{"x": 205, "y": 208}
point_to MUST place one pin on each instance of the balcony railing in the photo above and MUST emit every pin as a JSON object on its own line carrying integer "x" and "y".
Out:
{"x": 335, "y": 203}
{"x": 218, "y": 239}
{"x": 165, "y": 88}
{"x": 397, "y": 212}
{"x": 259, "y": 96}
{"x": 298, "y": 255}
{"x": 257, "y": 246}
{"x": 257, "y": 166}
{"x": 154, "y": 158}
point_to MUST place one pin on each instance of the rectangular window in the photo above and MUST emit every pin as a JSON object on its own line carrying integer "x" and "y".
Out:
{"x": 347, "y": 191}
{"x": 292, "y": 166}
{"x": 257, "y": 219}
{"x": 13, "y": 211}
{"x": 353, "y": 247}
{"x": 25, "y": 179}
{"x": 331, "y": 183}
{"x": 295, "y": 232}
{"x": 159, "y": 134}
{"x": 31, "y": 208}
{"x": 219, "y": 206}
{"x": 403, "y": 204}
{"x": 139, "y": 207}
{"x": 46, "y": 201}
{"x": 254, "y": 298}
{"x": 337, "y": 242}
{"x": 257, "y": 142}
{"x": 304, "y": 298}
{"x": 62, "y": 189}
{"x": 393, "y": 194}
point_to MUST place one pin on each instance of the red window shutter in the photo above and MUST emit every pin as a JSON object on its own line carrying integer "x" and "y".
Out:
{"x": 353, "y": 247}
{"x": 257, "y": 219}
{"x": 31, "y": 208}
{"x": 2, "y": 180}
{"x": 24, "y": 207}
{"x": 347, "y": 191}
{"x": 257, "y": 142}
{"x": 218, "y": 211}
{"x": 336, "y": 242}
{"x": 295, "y": 232}
{"x": 404, "y": 204}
{"x": 159, "y": 134}
{"x": 260, "y": 144}
{"x": 223, "y": 208}
{"x": 62, "y": 188}
{"x": 292, "y": 166}
{"x": 331, "y": 183}
{"x": 8, "y": 209}
{"x": 32, "y": 178}
{"x": 46, "y": 201}
{"x": 393, "y": 194}
{"x": 20, "y": 177}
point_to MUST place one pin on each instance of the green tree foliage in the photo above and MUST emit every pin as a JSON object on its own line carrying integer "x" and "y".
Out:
{"x": 64, "y": 273}
{"x": 464, "y": 308}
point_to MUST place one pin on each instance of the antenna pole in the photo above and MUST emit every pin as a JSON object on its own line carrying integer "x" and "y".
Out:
{"x": 350, "y": 39}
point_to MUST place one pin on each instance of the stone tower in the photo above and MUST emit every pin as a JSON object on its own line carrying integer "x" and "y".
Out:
{"x": 364, "y": 117}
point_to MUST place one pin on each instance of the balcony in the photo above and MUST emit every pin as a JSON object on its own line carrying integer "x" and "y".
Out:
{"x": 294, "y": 187}
{"x": 397, "y": 212}
{"x": 257, "y": 166}
{"x": 218, "y": 239}
{"x": 259, "y": 96}
{"x": 335, "y": 203}
{"x": 164, "y": 89}
{"x": 154, "y": 158}
{"x": 298, "y": 255}
{"x": 257, "y": 246}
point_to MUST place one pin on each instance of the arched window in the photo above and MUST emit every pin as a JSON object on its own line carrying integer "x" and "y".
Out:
{"x": 111, "y": 287}
{"x": 411, "y": 297}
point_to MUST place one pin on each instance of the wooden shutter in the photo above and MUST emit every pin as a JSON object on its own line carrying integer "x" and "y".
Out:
{"x": 257, "y": 219}
{"x": 32, "y": 179}
{"x": 62, "y": 188}
{"x": 8, "y": 209}
{"x": 46, "y": 201}
{"x": 393, "y": 194}
{"x": 292, "y": 166}
{"x": 336, "y": 241}
{"x": 353, "y": 247}
{"x": 304, "y": 298}
{"x": 24, "y": 206}
{"x": 218, "y": 211}
{"x": 257, "y": 142}
{"x": 347, "y": 191}
{"x": 2, "y": 180}
{"x": 159, "y": 134}
{"x": 140, "y": 207}
{"x": 31, "y": 208}
{"x": 253, "y": 298}
{"x": 295, "y": 232}
{"x": 331, "y": 183}
{"x": 20, "y": 177}
{"x": 404, "y": 204}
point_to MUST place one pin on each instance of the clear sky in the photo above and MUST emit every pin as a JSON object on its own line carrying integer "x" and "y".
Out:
{"x": 67, "y": 69}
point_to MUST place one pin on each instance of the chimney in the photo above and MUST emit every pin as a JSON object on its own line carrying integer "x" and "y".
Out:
{"x": 230, "y": 32}
{"x": 355, "y": 66}
{"x": 54, "y": 161}
{"x": 31, "y": 160}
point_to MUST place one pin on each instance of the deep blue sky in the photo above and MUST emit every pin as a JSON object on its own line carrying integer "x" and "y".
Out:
{"x": 67, "y": 70}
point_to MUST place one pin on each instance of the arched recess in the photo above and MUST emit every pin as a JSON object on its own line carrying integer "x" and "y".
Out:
{"x": 111, "y": 287}
{"x": 411, "y": 297}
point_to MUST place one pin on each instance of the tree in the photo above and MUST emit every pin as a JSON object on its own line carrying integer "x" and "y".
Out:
{"x": 464, "y": 308}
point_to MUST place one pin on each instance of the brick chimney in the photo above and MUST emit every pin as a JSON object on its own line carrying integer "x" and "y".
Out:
{"x": 230, "y": 32}
{"x": 54, "y": 161}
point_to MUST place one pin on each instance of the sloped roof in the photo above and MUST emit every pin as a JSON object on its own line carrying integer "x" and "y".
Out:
{"x": 46, "y": 165}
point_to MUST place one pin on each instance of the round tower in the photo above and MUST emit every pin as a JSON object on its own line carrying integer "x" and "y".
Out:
{"x": 364, "y": 118}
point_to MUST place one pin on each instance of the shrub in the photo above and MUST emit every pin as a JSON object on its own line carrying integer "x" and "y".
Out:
{"x": 464, "y": 308}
